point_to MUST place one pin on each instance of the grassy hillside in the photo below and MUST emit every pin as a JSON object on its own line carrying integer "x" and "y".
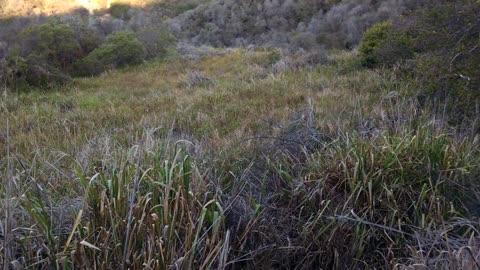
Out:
{"x": 240, "y": 86}
{"x": 238, "y": 160}
{"x": 300, "y": 140}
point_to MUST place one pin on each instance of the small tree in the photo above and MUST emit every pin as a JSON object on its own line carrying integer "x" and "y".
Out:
{"x": 119, "y": 49}
{"x": 54, "y": 43}
{"x": 14, "y": 70}
{"x": 384, "y": 44}
{"x": 373, "y": 39}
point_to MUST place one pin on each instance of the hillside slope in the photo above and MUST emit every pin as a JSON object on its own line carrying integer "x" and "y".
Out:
{"x": 305, "y": 24}
{"x": 237, "y": 160}
{"x": 124, "y": 147}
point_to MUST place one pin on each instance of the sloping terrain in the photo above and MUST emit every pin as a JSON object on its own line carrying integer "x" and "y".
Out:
{"x": 290, "y": 24}
{"x": 239, "y": 159}
{"x": 218, "y": 134}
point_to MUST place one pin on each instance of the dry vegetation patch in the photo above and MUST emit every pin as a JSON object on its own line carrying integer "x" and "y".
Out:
{"x": 310, "y": 167}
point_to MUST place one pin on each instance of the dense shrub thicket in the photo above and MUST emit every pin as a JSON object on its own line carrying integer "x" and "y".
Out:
{"x": 50, "y": 50}
{"x": 292, "y": 24}
{"x": 65, "y": 41}
{"x": 439, "y": 45}
{"x": 52, "y": 42}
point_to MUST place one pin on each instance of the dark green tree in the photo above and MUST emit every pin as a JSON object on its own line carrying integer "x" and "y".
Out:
{"x": 53, "y": 43}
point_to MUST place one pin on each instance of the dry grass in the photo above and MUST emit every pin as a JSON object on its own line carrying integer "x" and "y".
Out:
{"x": 328, "y": 167}
{"x": 155, "y": 94}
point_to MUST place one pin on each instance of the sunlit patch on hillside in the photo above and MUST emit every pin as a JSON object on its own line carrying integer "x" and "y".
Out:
{"x": 11, "y": 8}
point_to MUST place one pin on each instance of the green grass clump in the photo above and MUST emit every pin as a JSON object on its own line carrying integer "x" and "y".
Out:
{"x": 360, "y": 201}
{"x": 159, "y": 201}
{"x": 397, "y": 187}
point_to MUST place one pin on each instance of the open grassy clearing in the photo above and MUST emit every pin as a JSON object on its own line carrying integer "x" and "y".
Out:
{"x": 242, "y": 100}
{"x": 232, "y": 165}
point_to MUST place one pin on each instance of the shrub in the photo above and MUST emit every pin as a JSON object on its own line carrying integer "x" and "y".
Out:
{"x": 120, "y": 11}
{"x": 47, "y": 53}
{"x": 3, "y": 49}
{"x": 3, "y": 68}
{"x": 155, "y": 40}
{"x": 449, "y": 59}
{"x": 373, "y": 39}
{"x": 443, "y": 40}
{"x": 271, "y": 57}
{"x": 14, "y": 69}
{"x": 53, "y": 43}
{"x": 81, "y": 12}
{"x": 87, "y": 39}
{"x": 305, "y": 41}
{"x": 118, "y": 50}
{"x": 20, "y": 73}
{"x": 384, "y": 44}
{"x": 43, "y": 75}
{"x": 306, "y": 23}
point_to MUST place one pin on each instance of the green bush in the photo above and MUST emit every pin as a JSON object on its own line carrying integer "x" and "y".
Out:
{"x": 384, "y": 45}
{"x": 88, "y": 40}
{"x": 271, "y": 56}
{"x": 155, "y": 40}
{"x": 120, "y": 11}
{"x": 44, "y": 75}
{"x": 442, "y": 40}
{"x": 14, "y": 69}
{"x": 53, "y": 43}
{"x": 118, "y": 50}
{"x": 448, "y": 61}
{"x": 373, "y": 39}
{"x": 20, "y": 73}
{"x": 46, "y": 54}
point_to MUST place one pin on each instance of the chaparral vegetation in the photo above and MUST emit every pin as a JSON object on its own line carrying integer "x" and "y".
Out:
{"x": 221, "y": 134}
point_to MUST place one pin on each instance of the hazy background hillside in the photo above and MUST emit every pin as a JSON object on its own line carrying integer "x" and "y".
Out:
{"x": 303, "y": 24}
{"x": 293, "y": 26}
{"x": 307, "y": 24}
